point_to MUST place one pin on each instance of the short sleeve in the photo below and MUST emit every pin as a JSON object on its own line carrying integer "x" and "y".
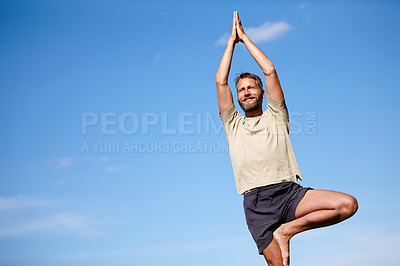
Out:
{"x": 228, "y": 113}
{"x": 278, "y": 109}
{"x": 230, "y": 119}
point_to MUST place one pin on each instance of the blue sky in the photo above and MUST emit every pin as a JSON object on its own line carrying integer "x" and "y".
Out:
{"x": 112, "y": 149}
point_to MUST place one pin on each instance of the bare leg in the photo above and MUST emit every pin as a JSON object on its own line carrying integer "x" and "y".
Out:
{"x": 318, "y": 208}
{"x": 272, "y": 254}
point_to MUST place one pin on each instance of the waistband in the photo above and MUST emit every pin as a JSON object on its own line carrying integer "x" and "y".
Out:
{"x": 266, "y": 187}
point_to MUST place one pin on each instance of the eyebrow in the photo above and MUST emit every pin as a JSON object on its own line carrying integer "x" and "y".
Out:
{"x": 251, "y": 86}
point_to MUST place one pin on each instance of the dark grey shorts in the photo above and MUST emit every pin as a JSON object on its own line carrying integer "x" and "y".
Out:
{"x": 266, "y": 208}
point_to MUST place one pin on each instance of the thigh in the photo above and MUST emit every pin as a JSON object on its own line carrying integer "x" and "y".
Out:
{"x": 315, "y": 200}
{"x": 272, "y": 254}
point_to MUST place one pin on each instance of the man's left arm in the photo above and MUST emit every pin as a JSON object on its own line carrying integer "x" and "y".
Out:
{"x": 272, "y": 83}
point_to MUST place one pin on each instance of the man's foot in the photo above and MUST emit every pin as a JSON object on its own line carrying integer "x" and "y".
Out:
{"x": 283, "y": 239}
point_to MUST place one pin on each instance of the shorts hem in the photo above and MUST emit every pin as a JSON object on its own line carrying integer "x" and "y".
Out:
{"x": 265, "y": 244}
{"x": 292, "y": 215}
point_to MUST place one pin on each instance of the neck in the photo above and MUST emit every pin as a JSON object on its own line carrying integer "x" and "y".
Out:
{"x": 257, "y": 112}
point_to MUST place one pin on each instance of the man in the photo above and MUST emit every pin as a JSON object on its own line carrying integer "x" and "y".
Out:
{"x": 276, "y": 208}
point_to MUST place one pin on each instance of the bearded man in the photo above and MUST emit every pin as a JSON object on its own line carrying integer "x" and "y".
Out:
{"x": 265, "y": 168}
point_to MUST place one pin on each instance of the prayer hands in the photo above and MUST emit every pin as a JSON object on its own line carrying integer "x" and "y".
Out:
{"x": 237, "y": 34}
{"x": 239, "y": 28}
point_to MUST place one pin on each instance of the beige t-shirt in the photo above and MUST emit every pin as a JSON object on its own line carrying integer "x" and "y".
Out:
{"x": 260, "y": 148}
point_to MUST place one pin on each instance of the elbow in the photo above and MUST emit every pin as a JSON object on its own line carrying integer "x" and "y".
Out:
{"x": 221, "y": 81}
{"x": 269, "y": 71}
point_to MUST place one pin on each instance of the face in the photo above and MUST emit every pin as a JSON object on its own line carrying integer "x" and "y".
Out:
{"x": 250, "y": 96}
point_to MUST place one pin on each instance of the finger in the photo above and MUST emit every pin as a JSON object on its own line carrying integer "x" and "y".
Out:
{"x": 236, "y": 19}
{"x": 236, "y": 22}
{"x": 233, "y": 23}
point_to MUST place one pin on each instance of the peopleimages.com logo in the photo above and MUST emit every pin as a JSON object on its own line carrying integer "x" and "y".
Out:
{"x": 131, "y": 123}
{"x": 172, "y": 131}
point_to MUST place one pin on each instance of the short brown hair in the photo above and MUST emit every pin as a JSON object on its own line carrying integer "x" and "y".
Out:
{"x": 249, "y": 75}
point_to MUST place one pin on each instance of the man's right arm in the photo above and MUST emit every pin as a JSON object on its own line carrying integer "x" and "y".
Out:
{"x": 224, "y": 94}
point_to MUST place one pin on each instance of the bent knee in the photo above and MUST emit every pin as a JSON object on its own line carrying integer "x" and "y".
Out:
{"x": 349, "y": 207}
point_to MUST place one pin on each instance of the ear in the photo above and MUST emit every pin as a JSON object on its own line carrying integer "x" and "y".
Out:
{"x": 263, "y": 93}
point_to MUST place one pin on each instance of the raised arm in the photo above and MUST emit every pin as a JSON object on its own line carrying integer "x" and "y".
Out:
{"x": 224, "y": 94}
{"x": 272, "y": 83}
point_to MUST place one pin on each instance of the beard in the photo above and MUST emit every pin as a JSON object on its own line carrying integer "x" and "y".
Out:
{"x": 254, "y": 106}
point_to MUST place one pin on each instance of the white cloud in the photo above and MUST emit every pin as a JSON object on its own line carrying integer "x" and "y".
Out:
{"x": 62, "y": 222}
{"x": 64, "y": 162}
{"x": 354, "y": 246}
{"x": 19, "y": 216}
{"x": 164, "y": 250}
{"x": 381, "y": 250}
{"x": 104, "y": 159}
{"x": 269, "y": 31}
{"x": 116, "y": 168}
{"x": 20, "y": 202}
{"x": 68, "y": 221}
{"x": 223, "y": 39}
{"x": 157, "y": 57}
{"x": 302, "y": 5}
